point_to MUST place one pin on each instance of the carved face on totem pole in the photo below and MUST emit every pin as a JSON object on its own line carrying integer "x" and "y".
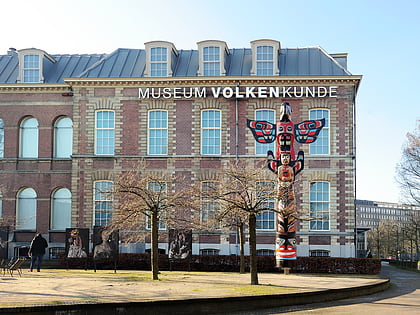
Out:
{"x": 286, "y": 165}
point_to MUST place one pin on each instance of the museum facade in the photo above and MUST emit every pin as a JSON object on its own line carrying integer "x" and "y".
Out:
{"x": 70, "y": 125}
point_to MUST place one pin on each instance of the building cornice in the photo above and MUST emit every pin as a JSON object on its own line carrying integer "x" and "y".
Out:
{"x": 353, "y": 80}
{"x": 36, "y": 87}
{"x": 216, "y": 81}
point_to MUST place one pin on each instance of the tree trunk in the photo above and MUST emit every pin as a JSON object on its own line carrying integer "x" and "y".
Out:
{"x": 241, "y": 248}
{"x": 252, "y": 226}
{"x": 154, "y": 250}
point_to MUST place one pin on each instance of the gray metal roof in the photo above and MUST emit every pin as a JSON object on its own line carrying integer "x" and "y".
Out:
{"x": 130, "y": 63}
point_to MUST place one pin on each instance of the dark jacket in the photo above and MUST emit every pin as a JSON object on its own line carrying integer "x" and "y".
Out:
{"x": 38, "y": 246}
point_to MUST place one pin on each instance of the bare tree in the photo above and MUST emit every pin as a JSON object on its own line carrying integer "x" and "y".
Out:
{"x": 408, "y": 170}
{"x": 156, "y": 197}
{"x": 245, "y": 190}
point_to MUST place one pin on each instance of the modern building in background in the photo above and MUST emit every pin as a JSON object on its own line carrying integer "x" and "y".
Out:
{"x": 70, "y": 124}
{"x": 369, "y": 215}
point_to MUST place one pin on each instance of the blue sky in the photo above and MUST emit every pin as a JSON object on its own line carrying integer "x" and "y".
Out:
{"x": 382, "y": 39}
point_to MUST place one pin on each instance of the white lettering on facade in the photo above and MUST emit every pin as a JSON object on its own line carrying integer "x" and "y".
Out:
{"x": 238, "y": 92}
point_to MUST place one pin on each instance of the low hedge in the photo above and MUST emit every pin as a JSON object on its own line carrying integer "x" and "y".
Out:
{"x": 225, "y": 263}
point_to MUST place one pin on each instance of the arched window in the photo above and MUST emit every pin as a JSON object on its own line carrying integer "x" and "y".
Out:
{"x": 1, "y": 138}
{"x": 26, "y": 209}
{"x": 29, "y": 138}
{"x": 63, "y": 138}
{"x": 61, "y": 209}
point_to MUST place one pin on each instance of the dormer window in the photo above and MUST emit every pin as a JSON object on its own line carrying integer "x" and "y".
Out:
{"x": 265, "y": 57}
{"x": 212, "y": 58}
{"x": 31, "y": 65}
{"x": 161, "y": 58}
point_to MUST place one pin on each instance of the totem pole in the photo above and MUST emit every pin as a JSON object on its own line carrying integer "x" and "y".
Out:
{"x": 286, "y": 165}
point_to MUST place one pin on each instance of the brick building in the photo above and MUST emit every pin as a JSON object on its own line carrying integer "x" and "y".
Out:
{"x": 69, "y": 123}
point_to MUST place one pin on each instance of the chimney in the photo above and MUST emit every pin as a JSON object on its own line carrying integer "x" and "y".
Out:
{"x": 11, "y": 51}
{"x": 341, "y": 59}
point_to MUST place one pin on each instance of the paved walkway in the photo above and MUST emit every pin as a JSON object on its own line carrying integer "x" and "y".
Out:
{"x": 57, "y": 287}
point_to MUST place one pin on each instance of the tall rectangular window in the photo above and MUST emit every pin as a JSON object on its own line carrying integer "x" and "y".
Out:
{"x": 159, "y": 190}
{"x": 266, "y": 115}
{"x": 105, "y": 132}
{"x": 158, "y": 62}
{"x": 29, "y": 138}
{"x": 209, "y": 207}
{"x": 265, "y": 60}
{"x": 158, "y": 132}
{"x": 210, "y": 132}
{"x": 319, "y": 196}
{"x": 211, "y": 61}
{"x": 31, "y": 68}
{"x": 103, "y": 202}
{"x": 63, "y": 138}
{"x": 322, "y": 144}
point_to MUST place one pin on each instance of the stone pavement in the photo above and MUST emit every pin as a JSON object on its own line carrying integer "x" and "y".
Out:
{"x": 52, "y": 287}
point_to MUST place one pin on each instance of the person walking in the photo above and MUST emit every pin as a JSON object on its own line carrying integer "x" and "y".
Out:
{"x": 37, "y": 251}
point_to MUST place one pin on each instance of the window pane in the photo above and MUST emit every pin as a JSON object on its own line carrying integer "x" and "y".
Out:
{"x": 265, "y": 53}
{"x": 31, "y": 69}
{"x": 29, "y": 138}
{"x": 63, "y": 138}
{"x": 265, "y": 220}
{"x": 105, "y": 132}
{"x": 26, "y": 210}
{"x": 158, "y": 132}
{"x": 211, "y": 61}
{"x": 322, "y": 143}
{"x": 61, "y": 210}
{"x": 103, "y": 202}
{"x": 158, "y": 62}
{"x": 319, "y": 205}
{"x": 210, "y": 132}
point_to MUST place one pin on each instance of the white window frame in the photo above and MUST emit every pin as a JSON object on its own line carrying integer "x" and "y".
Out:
{"x": 26, "y": 209}
{"x": 29, "y": 138}
{"x": 63, "y": 138}
{"x": 323, "y": 139}
{"x": 206, "y": 139}
{"x": 102, "y": 197}
{"x": 168, "y": 60}
{"x": 275, "y": 45}
{"x": 111, "y": 129}
{"x": 323, "y": 214}
{"x": 60, "y": 209}
{"x": 262, "y": 219}
{"x": 267, "y": 115}
{"x": 155, "y": 143}
{"x": 219, "y": 63}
